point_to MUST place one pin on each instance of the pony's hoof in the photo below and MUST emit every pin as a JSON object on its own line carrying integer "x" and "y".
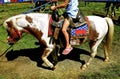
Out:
{"x": 83, "y": 67}
{"x": 53, "y": 68}
{"x": 106, "y": 59}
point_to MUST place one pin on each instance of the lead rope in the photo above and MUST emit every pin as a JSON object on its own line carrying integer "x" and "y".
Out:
{"x": 6, "y": 50}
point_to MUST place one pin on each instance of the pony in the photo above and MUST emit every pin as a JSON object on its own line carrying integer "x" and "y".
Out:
{"x": 37, "y": 24}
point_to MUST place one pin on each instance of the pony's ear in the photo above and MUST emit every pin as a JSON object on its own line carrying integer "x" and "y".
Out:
{"x": 5, "y": 25}
{"x": 9, "y": 23}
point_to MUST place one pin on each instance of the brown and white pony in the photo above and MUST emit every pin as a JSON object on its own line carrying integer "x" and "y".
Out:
{"x": 37, "y": 25}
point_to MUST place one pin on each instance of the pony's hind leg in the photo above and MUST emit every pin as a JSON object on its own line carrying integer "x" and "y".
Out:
{"x": 106, "y": 55}
{"x": 106, "y": 52}
{"x": 93, "y": 47}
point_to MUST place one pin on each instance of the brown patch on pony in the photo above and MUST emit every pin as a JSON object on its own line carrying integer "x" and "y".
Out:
{"x": 92, "y": 32}
{"x": 10, "y": 24}
{"x": 87, "y": 20}
{"x": 45, "y": 53}
{"x": 93, "y": 35}
{"x": 38, "y": 34}
{"x": 29, "y": 19}
{"x": 13, "y": 33}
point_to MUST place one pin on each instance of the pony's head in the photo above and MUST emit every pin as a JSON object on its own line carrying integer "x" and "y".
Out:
{"x": 14, "y": 34}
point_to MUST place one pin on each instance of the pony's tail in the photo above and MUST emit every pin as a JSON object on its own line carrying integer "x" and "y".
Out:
{"x": 109, "y": 37}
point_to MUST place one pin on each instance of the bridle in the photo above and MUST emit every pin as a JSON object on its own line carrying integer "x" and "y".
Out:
{"x": 11, "y": 45}
{"x": 13, "y": 35}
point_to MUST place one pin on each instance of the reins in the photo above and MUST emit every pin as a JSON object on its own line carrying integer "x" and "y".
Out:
{"x": 6, "y": 50}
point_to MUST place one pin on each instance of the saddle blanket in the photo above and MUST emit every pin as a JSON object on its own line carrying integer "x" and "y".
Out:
{"x": 79, "y": 31}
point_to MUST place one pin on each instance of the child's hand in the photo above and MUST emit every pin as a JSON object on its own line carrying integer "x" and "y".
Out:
{"x": 52, "y": 7}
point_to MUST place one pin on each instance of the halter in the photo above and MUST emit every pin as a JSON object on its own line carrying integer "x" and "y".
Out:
{"x": 18, "y": 33}
{"x": 14, "y": 34}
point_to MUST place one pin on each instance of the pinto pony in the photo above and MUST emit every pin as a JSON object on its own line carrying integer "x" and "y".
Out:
{"x": 37, "y": 25}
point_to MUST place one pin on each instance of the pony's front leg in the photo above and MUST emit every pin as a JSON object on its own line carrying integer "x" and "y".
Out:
{"x": 45, "y": 54}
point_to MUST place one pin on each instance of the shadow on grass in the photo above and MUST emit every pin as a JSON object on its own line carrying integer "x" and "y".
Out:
{"x": 36, "y": 53}
{"x": 75, "y": 55}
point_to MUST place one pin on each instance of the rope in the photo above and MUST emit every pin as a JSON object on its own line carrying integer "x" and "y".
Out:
{"x": 2, "y": 41}
{"x": 36, "y": 8}
{"x": 6, "y": 50}
{"x": 9, "y": 47}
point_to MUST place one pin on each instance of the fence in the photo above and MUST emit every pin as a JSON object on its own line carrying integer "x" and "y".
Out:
{"x": 102, "y": 0}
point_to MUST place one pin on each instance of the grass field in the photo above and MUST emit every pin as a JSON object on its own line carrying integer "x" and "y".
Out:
{"x": 21, "y": 62}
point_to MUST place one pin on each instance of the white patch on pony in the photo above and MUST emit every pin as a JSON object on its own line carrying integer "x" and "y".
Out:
{"x": 98, "y": 21}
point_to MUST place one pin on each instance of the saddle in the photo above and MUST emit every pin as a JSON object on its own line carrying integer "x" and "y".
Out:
{"x": 78, "y": 30}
